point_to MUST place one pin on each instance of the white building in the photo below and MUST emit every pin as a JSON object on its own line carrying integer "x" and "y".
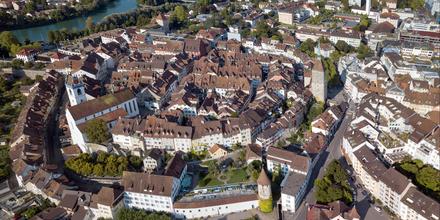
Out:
{"x": 27, "y": 55}
{"x": 150, "y": 192}
{"x": 108, "y": 108}
{"x": 215, "y": 207}
{"x": 351, "y": 37}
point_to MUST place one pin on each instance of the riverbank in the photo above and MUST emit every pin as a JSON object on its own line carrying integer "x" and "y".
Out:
{"x": 39, "y": 33}
{"x": 75, "y": 28}
{"x": 50, "y": 16}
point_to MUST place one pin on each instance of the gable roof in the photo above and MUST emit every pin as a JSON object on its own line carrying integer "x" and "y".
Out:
{"x": 100, "y": 104}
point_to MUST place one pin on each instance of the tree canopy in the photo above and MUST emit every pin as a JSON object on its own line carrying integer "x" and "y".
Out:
{"x": 334, "y": 185}
{"x": 308, "y": 47}
{"x": 136, "y": 214}
{"x": 424, "y": 176}
{"x": 97, "y": 131}
{"x": 101, "y": 164}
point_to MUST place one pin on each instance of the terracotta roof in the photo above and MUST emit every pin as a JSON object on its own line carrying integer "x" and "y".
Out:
{"x": 295, "y": 161}
{"x": 216, "y": 147}
{"x": 71, "y": 150}
{"x": 106, "y": 196}
{"x": 384, "y": 27}
{"x": 148, "y": 183}
{"x": 263, "y": 179}
{"x": 176, "y": 166}
{"x": 100, "y": 104}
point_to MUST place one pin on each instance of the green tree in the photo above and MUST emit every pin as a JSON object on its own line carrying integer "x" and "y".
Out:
{"x": 89, "y": 23}
{"x": 343, "y": 47}
{"x": 8, "y": 41}
{"x": 308, "y": 47}
{"x": 135, "y": 214}
{"x": 135, "y": 161}
{"x": 364, "y": 51}
{"x": 345, "y": 5}
{"x": 180, "y": 13}
{"x": 429, "y": 178}
{"x": 262, "y": 29}
{"x": 97, "y": 131}
{"x": 101, "y": 157}
{"x": 334, "y": 186}
{"x": 98, "y": 170}
{"x": 30, "y": 6}
{"x": 254, "y": 169}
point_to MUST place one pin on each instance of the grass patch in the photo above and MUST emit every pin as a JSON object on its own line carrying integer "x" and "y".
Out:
{"x": 237, "y": 175}
{"x": 209, "y": 180}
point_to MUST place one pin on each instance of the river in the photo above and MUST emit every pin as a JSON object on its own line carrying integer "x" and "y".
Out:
{"x": 40, "y": 32}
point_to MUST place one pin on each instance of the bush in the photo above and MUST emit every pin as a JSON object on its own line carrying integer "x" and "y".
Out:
{"x": 266, "y": 205}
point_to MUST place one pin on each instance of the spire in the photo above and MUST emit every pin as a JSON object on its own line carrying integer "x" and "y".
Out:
{"x": 263, "y": 179}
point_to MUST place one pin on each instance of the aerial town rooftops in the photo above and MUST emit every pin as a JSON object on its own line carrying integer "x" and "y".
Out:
{"x": 395, "y": 180}
{"x": 370, "y": 162}
{"x": 421, "y": 203}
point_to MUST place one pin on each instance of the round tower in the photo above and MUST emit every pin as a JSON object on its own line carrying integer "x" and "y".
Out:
{"x": 75, "y": 90}
{"x": 264, "y": 192}
{"x": 263, "y": 181}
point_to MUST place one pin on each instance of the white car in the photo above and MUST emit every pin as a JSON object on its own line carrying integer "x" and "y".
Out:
{"x": 378, "y": 209}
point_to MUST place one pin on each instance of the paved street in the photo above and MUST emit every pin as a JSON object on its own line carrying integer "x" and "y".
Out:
{"x": 333, "y": 152}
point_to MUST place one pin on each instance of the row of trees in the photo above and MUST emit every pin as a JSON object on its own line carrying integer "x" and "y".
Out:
{"x": 9, "y": 44}
{"x": 139, "y": 17}
{"x": 334, "y": 185}
{"x": 137, "y": 214}
{"x": 101, "y": 164}
{"x": 424, "y": 176}
{"x": 58, "y": 13}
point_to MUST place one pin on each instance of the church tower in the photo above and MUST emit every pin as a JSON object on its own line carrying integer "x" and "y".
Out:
{"x": 75, "y": 90}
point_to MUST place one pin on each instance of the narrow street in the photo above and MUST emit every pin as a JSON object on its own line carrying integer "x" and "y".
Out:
{"x": 333, "y": 152}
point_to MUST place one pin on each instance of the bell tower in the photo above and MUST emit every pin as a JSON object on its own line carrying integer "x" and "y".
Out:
{"x": 75, "y": 90}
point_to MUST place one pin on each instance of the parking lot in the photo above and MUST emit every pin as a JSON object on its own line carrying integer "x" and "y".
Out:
{"x": 220, "y": 192}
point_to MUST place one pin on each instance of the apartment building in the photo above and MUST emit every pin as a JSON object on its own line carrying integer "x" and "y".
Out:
{"x": 149, "y": 191}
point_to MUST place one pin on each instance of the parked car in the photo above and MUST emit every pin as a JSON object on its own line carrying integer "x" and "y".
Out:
{"x": 378, "y": 209}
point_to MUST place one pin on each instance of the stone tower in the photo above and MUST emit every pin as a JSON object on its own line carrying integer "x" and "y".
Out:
{"x": 368, "y": 7}
{"x": 264, "y": 190}
{"x": 75, "y": 90}
{"x": 319, "y": 81}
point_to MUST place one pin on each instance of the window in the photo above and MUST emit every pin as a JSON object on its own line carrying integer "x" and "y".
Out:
{"x": 79, "y": 91}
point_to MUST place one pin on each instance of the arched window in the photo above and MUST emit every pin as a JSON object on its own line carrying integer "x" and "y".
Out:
{"x": 78, "y": 91}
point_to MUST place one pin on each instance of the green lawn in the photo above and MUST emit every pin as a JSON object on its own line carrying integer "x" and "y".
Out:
{"x": 237, "y": 175}
{"x": 209, "y": 180}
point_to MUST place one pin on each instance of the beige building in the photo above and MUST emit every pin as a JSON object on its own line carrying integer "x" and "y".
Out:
{"x": 319, "y": 81}
{"x": 217, "y": 151}
{"x": 106, "y": 203}
{"x": 285, "y": 17}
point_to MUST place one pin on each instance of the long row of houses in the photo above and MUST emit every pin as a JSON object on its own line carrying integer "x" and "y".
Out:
{"x": 383, "y": 133}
